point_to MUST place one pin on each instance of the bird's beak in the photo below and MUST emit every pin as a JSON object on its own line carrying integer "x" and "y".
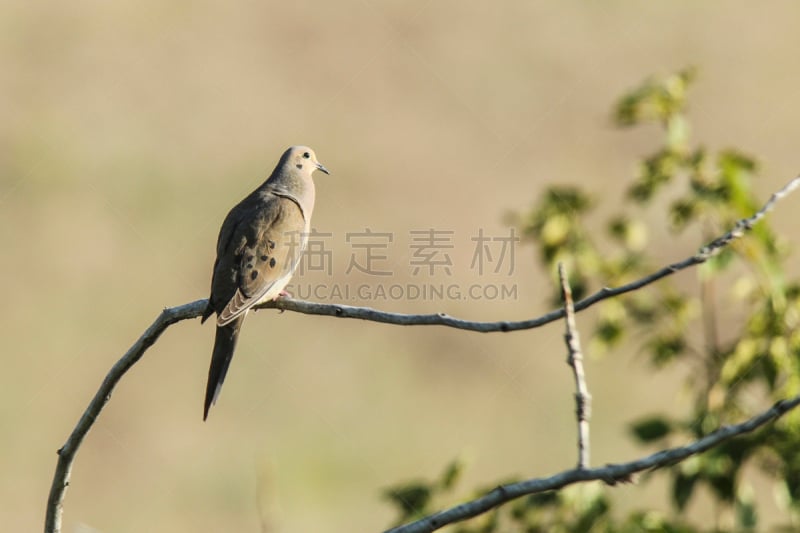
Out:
{"x": 321, "y": 167}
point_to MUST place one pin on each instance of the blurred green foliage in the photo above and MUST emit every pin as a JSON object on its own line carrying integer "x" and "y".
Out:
{"x": 756, "y": 355}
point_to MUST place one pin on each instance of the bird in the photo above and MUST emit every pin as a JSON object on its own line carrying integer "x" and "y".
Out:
{"x": 259, "y": 247}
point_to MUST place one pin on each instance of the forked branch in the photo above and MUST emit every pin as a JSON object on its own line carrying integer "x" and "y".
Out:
{"x": 67, "y": 453}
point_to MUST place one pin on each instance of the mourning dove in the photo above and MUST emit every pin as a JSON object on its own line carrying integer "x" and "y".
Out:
{"x": 258, "y": 249}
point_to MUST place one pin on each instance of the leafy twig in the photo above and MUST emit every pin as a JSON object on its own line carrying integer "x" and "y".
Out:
{"x": 612, "y": 473}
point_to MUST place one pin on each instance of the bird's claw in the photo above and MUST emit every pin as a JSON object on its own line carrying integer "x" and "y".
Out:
{"x": 283, "y": 295}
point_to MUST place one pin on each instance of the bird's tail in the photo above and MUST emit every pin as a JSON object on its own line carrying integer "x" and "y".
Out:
{"x": 224, "y": 345}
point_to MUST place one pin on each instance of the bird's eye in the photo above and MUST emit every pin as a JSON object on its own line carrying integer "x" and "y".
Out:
{"x": 306, "y": 155}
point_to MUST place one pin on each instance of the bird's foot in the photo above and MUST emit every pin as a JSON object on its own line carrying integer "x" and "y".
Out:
{"x": 283, "y": 295}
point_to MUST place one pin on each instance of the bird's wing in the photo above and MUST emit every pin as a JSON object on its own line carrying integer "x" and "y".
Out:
{"x": 222, "y": 278}
{"x": 274, "y": 241}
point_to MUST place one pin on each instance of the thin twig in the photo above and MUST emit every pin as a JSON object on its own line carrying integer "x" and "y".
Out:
{"x": 611, "y": 473}
{"x": 583, "y": 400}
{"x": 66, "y": 455}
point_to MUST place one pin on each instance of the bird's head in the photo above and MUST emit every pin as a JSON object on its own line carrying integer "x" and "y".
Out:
{"x": 302, "y": 160}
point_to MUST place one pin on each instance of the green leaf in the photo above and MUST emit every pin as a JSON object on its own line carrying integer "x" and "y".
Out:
{"x": 632, "y": 234}
{"x": 682, "y": 488}
{"x": 719, "y": 262}
{"x": 657, "y": 99}
{"x": 609, "y": 331}
{"x": 656, "y": 171}
{"x": 651, "y": 429}
{"x": 568, "y": 199}
{"x": 543, "y": 499}
{"x": 589, "y": 517}
{"x": 682, "y": 212}
{"x": 451, "y": 474}
{"x": 677, "y": 132}
{"x": 723, "y": 486}
{"x": 410, "y": 499}
{"x": 665, "y": 348}
{"x": 746, "y": 514}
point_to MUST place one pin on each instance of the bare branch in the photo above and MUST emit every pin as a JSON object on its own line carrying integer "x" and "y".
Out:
{"x": 66, "y": 455}
{"x": 441, "y": 319}
{"x": 611, "y": 473}
{"x": 583, "y": 400}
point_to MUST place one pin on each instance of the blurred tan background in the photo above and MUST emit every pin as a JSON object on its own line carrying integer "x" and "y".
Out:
{"x": 128, "y": 131}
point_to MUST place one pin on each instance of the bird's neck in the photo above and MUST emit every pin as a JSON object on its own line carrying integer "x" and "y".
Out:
{"x": 296, "y": 188}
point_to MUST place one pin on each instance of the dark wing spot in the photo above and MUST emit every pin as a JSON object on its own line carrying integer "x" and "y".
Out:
{"x": 249, "y": 258}
{"x": 264, "y": 257}
{"x": 272, "y": 262}
{"x": 248, "y": 266}
{"x": 254, "y": 274}
{"x": 271, "y": 245}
